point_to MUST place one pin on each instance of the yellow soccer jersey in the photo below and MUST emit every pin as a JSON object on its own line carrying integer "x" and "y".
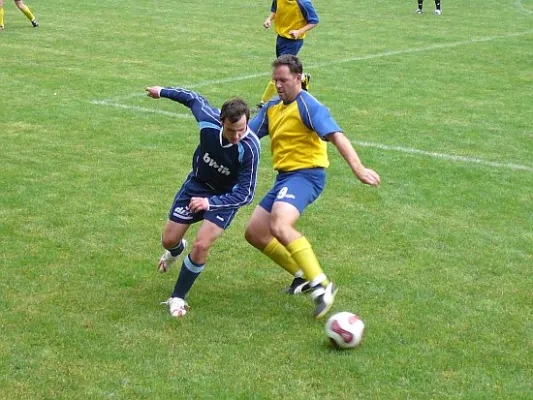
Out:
{"x": 292, "y": 15}
{"x": 297, "y": 132}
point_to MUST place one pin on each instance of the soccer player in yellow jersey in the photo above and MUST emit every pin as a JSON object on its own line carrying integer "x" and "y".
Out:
{"x": 299, "y": 127}
{"x": 292, "y": 20}
{"x": 22, "y": 7}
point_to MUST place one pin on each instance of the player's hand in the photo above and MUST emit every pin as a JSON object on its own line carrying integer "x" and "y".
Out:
{"x": 267, "y": 23}
{"x": 153, "y": 92}
{"x": 369, "y": 177}
{"x": 295, "y": 33}
{"x": 198, "y": 204}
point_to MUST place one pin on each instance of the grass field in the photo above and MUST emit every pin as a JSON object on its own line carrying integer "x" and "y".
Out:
{"x": 437, "y": 261}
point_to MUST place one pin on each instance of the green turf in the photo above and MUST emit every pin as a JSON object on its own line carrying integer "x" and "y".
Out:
{"x": 437, "y": 261}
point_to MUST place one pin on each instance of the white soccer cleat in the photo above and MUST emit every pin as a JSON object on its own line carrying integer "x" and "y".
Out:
{"x": 418, "y": 11}
{"x": 176, "y": 306}
{"x": 324, "y": 296}
{"x": 437, "y": 12}
{"x": 167, "y": 259}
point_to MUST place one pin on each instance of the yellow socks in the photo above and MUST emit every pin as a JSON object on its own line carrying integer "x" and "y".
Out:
{"x": 281, "y": 256}
{"x": 1, "y": 16}
{"x": 27, "y": 13}
{"x": 302, "y": 252}
{"x": 298, "y": 256}
{"x": 270, "y": 91}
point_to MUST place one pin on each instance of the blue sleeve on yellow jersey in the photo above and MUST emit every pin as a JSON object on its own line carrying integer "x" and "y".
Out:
{"x": 259, "y": 123}
{"x": 308, "y": 11}
{"x": 274, "y": 6}
{"x": 316, "y": 116}
{"x": 200, "y": 107}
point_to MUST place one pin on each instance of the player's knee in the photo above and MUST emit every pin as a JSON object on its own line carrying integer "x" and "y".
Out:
{"x": 249, "y": 235}
{"x": 200, "y": 247}
{"x": 278, "y": 229}
{"x": 169, "y": 241}
{"x": 258, "y": 238}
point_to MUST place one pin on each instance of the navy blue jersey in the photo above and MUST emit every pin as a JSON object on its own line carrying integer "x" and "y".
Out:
{"x": 228, "y": 170}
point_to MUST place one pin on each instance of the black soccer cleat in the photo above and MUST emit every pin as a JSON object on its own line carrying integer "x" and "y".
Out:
{"x": 299, "y": 285}
{"x": 35, "y": 23}
{"x": 258, "y": 107}
{"x": 306, "y": 82}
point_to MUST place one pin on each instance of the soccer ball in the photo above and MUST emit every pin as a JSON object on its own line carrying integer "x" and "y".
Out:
{"x": 345, "y": 330}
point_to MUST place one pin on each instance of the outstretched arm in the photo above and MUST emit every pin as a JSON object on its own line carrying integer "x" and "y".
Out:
{"x": 198, "y": 104}
{"x": 345, "y": 148}
{"x": 153, "y": 92}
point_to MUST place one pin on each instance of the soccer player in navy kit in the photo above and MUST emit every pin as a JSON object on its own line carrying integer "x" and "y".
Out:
{"x": 223, "y": 178}
{"x": 299, "y": 127}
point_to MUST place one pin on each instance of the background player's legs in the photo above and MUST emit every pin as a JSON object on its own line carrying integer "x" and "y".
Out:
{"x": 420, "y": 4}
{"x": 270, "y": 91}
{"x": 437, "y": 7}
{"x": 27, "y": 12}
{"x": 284, "y": 46}
{"x": 1, "y": 15}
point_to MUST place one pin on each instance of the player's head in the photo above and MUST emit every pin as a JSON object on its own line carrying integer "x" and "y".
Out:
{"x": 287, "y": 75}
{"x": 234, "y": 115}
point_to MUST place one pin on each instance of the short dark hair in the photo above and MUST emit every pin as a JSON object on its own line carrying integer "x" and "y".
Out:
{"x": 291, "y": 61}
{"x": 233, "y": 109}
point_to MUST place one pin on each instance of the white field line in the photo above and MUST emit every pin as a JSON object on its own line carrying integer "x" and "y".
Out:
{"x": 342, "y": 61}
{"x": 421, "y": 49}
{"x": 451, "y": 157}
{"x": 408, "y": 150}
{"x": 112, "y": 102}
{"x": 522, "y": 8}
{"x": 141, "y": 109}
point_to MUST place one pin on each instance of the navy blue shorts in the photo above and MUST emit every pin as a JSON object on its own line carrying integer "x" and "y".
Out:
{"x": 288, "y": 46}
{"x": 180, "y": 213}
{"x": 299, "y": 188}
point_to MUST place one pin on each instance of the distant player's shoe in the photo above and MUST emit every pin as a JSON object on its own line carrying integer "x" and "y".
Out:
{"x": 1, "y": 27}
{"x": 35, "y": 23}
{"x": 306, "y": 82}
{"x": 418, "y": 11}
{"x": 324, "y": 298}
{"x": 167, "y": 259}
{"x": 176, "y": 306}
{"x": 437, "y": 12}
{"x": 298, "y": 285}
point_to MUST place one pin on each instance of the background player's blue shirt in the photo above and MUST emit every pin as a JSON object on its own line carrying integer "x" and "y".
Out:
{"x": 229, "y": 170}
